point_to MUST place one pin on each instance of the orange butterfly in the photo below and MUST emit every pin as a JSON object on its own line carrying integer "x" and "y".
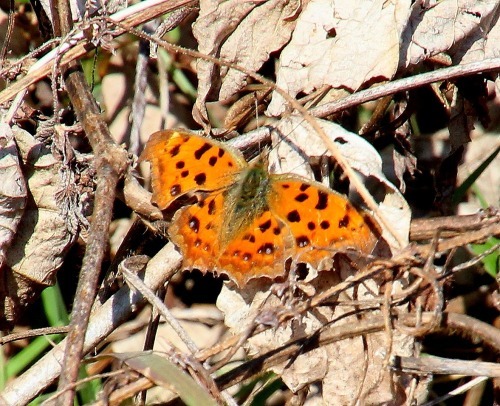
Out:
{"x": 247, "y": 222}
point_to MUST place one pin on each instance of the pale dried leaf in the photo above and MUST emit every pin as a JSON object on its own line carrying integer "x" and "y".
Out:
{"x": 192, "y": 321}
{"x": 339, "y": 366}
{"x": 458, "y": 27}
{"x": 13, "y": 193}
{"x": 241, "y": 32}
{"x": 333, "y": 37}
{"x": 482, "y": 42}
{"x": 296, "y": 142}
{"x": 349, "y": 373}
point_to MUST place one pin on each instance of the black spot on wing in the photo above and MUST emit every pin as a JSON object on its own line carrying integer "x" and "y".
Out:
{"x": 202, "y": 150}
{"x": 344, "y": 221}
{"x": 301, "y": 197}
{"x": 322, "y": 200}
{"x": 325, "y": 224}
{"x": 175, "y": 150}
{"x": 200, "y": 179}
{"x": 293, "y": 216}
{"x": 211, "y": 207}
{"x": 249, "y": 237}
{"x": 302, "y": 241}
{"x": 247, "y": 256}
{"x": 266, "y": 225}
{"x": 266, "y": 249}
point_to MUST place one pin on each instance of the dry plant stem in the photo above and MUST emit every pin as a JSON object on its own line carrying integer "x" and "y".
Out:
{"x": 108, "y": 173}
{"x": 303, "y": 345}
{"x": 437, "y": 365}
{"x": 369, "y": 325}
{"x": 473, "y": 329}
{"x": 22, "y": 61}
{"x": 111, "y": 162}
{"x": 478, "y": 258}
{"x": 461, "y": 240}
{"x": 138, "y": 199}
{"x": 138, "y": 284}
{"x": 104, "y": 321}
{"x": 265, "y": 361}
{"x": 451, "y": 226}
{"x": 102, "y": 376}
{"x": 119, "y": 395}
{"x": 413, "y": 82}
{"x": 467, "y": 326}
{"x": 8, "y": 34}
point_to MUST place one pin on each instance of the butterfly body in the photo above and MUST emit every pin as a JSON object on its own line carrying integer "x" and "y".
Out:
{"x": 248, "y": 222}
{"x": 244, "y": 201}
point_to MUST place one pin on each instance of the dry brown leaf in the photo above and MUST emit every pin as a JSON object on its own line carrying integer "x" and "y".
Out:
{"x": 343, "y": 44}
{"x": 241, "y": 32}
{"x": 460, "y": 28}
{"x": 38, "y": 249}
{"x": 13, "y": 193}
{"x": 347, "y": 369}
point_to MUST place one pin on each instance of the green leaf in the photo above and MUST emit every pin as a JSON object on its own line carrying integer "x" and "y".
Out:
{"x": 165, "y": 373}
{"x": 462, "y": 189}
{"x": 490, "y": 262}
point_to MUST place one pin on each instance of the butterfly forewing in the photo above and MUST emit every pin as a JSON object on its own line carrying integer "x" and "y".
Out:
{"x": 183, "y": 163}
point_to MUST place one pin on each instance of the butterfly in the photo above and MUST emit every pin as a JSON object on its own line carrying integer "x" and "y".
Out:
{"x": 246, "y": 223}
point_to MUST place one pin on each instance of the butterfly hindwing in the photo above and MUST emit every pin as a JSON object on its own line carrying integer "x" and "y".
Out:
{"x": 321, "y": 221}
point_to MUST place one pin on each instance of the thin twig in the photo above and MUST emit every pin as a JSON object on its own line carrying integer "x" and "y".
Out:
{"x": 401, "y": 85}
{"x": 133, "y": 280}
{"x": 8, "y": 35}
{"x": 37, "y": 332}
